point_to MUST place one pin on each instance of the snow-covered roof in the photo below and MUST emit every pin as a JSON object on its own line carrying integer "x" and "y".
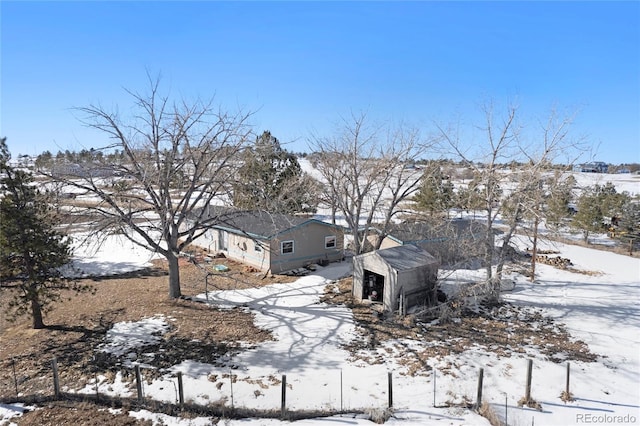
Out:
{"x": 407, "y": 257}
{"x": 425, "y": 232}
{"x": 258, "y": 223}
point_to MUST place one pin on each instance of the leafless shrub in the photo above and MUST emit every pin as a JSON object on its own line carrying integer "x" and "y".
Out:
{"x": 469, "y": 297}
{"x": 566, "y": 396}
{"x": 489, "y": 413}
{"x": 379, "y": 415}
{"x": 531, "y": 403}
{"x": 461, "y": 401}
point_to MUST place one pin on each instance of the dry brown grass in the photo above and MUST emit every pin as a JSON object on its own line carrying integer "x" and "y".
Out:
{"x": 531, "y": 403}
{"x": 75, "y": 413}
{"x": 566, "y": 396}
{"x": 76, "y": 327}
{"x": 486, "y": 411}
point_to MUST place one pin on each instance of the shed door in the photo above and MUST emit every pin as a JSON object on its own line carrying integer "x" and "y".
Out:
{"x": 373, "y": 286}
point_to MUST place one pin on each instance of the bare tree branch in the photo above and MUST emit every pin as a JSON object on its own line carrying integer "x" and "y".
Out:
{"x": 178, "y": 157}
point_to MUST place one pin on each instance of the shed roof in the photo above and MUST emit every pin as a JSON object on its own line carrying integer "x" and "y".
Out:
{"x": 407, "y": 257}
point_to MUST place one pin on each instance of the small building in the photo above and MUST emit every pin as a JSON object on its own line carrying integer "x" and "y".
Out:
{"x": 397, "y": 277}
{"x": 272, "y": 242}
{"x": 449, "y": 241}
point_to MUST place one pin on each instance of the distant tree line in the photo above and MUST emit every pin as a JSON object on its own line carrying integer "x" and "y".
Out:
{"x": 46, "y": 160}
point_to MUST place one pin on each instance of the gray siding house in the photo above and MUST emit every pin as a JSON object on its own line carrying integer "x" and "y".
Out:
{"x": 271, "y": 242}
{"x": 594, "y": 167}
{"x": 398, "y": 278}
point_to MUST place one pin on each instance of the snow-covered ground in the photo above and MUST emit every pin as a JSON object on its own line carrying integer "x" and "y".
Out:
{"x": 9, "y": 411}
{"x": 624, "y": 182}
{"x": 601, "y": 309}
{"x": 108, "y": 255}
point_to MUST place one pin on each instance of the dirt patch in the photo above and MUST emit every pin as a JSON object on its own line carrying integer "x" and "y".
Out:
{"x": 67, "y": 413}
{"x": 77, "y": 326}
{"x": 504, "y": 330}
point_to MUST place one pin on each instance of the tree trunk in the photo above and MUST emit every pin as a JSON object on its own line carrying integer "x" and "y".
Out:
{"x": 488, "y": 255}
{"x": 534, "y": 250}
{"x": 36, "y": 313}
{"x": 174, "y": 275}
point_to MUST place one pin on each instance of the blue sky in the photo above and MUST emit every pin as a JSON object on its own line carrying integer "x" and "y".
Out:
{"x": 303, "y": 65}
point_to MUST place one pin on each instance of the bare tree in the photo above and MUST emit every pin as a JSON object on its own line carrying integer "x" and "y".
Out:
{"x": 402, "y": 180}
{"x": 500, "y": 144}
{"x": 509, "y": 194}
{"x": 177, "y": 157}
{"x": 538, "y": 182}
{"x": 366, "y": 175}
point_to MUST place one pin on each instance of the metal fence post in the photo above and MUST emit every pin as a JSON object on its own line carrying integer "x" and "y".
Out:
{"x": 180, "y": 390}
{"x": 390, "y": 382}
{"x": 283, "y": 407}
{"x": 139, "y": 384}
{"x": 479, "y": 395}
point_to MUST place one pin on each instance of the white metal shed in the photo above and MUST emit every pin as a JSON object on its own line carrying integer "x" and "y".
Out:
{"x": 398, "y": 277}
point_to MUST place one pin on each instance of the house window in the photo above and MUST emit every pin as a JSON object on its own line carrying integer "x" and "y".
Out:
{"x": 223, "y": 240}
{"x": 257, "y": 247}
{"x": 330, "y": 242}
{"x": 286, "y": 247}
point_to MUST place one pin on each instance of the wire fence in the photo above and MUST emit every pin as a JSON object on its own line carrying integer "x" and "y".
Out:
{"x": 281, "y": 401}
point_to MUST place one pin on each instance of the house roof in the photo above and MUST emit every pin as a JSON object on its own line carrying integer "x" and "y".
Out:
{"x": 425, "y": 232}
{"x": 258, "y": 223}
{"x": 403, "y": 258}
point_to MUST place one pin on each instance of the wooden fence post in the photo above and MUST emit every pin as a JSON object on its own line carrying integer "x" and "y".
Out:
{"x": 56, "y": 379}
{"x": 527, "y": 394}
{"x": 15, "y": 378}
{"x": 139, "y": 384}
{"x": 479, "y": 395}
{"x": 180, "y": 390}
{"x": 390, "y": 382}
{"x": 283, "y": 407}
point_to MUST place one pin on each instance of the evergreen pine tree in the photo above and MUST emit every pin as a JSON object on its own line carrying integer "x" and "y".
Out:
{"x": 31, "y": 249}
{"x": 595, "y": 205}
{"x": 271, "y": 179}
{"x": 436, "y": 191}
{"x": 560, "y": 196}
